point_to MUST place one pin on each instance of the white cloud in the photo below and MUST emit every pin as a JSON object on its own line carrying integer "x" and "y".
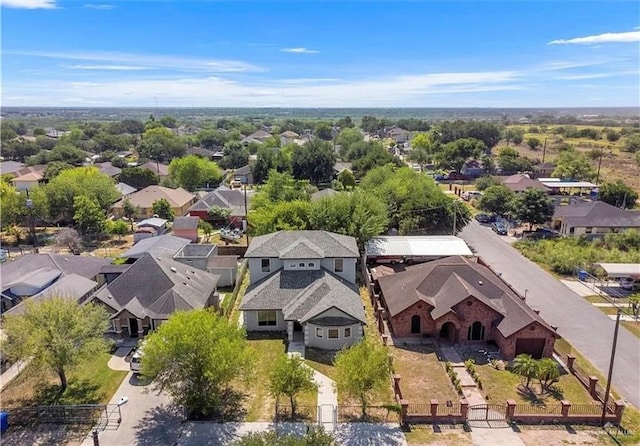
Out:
{"x": 408, "y": 90}
{"x": 625, "y": 37}
{"x": 29, "y": 4}
{"x": 575, "y": 77}
{"x": 170, "y": 62}
{"x": 299, "y": 50}
{"x": 569, "y": 64}
{"x": 106, "y": 67}
{"x": 104, "y": 7}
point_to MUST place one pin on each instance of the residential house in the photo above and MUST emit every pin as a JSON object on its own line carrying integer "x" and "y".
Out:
{"x": 232, "y": 200}
{"x": 42, "y": 276}
{"x": 521, "y": 182}
{"x": 287, "y": 137}
{"x": 179, "y": 199}
{"x": 205, "y": 258}
{"x": 256, "y": 137}
{"x": 243, "y": 175}
{"x": 543, "y": 169}
{"x": 10, "y": 167}
{"x": 27, "y": 181}
{"x": 125, "y": 189}
{"x": 186, "y": 227}
{"x": 399, "y": 135}
{"x": 162, "y": 170}
{"x": 593, "y": 219}
{"x": 322, "y": 194}
{"x": 304, "y": 283}
{"x": 150, "y": 227}
{"x": 458, "y": 300}
{"x": 108, "y": 169}
{"x": 161, "y": 245}
{"x": 202, "y": 152}
{"x": 338, "y": 168}
{"x": 149, "y": 291}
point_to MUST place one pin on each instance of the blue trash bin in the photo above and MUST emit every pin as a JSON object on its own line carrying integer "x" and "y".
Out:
{"x": 4, "y": 422}
{"x": 582, "y": 275}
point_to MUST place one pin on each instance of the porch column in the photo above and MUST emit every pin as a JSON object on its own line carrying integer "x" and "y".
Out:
{"x": 117, "y": 325}
{"x": 140, "y": 328}
{"x": 290, "y": 330}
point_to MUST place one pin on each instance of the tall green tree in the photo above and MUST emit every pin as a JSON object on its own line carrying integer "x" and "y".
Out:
{"x": 358, "y": 214}
{"x": 280, "y": 186}
{"x": 632, "y": 143}
{"x": 191, "y": 171}
{"x": 349, "y": 136}
{"x": 159, "y": 143}
{"x": 532, "y": 206}
{"x": 314, "y": 162}
{"x": 129, "y": 211}
{"x": 162, "y": 208}
{"x": 88, "y": 215}
{"x": 533, "y": 143}
{"x": 511, "y": 161}
{"x": 280, "y": 216}
{"x": 88, "y": 181}
{"x": 290, "y": 377}
{"x": 574, "y": 165}
{"x": 453, "y": 155}
{"x": 118, "y": 228}
{"x": 138, "y": 177}
{"x": 618, "y": 194}
{"x": 346, "y": 179}
{"x": 56, "y": 334}
{"x": 195, "y": 356}
{"x": 361, "y": 370}
{"x": 496, "y": 199}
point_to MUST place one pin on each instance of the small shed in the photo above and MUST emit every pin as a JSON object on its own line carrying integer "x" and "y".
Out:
{"x": 151, "y": 227}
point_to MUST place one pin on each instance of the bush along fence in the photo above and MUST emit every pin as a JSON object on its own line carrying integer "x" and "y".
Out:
{"x": 453, "y": 412}
{"x": 228, "y": 306}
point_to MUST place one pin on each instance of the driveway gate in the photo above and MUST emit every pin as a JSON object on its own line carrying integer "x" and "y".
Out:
{"x": 487, "y": 412}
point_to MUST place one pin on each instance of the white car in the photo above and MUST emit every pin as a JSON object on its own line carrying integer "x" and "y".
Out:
{"x": 136, "y": 359}
{"x": 629, "y": 283}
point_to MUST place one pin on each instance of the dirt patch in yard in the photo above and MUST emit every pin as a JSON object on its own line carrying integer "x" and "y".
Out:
{"x": 437, "y": 435}
{"x": 562, "y": 436}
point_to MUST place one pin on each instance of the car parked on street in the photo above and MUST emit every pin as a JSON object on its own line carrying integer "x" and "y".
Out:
{"x": 499, "y": 228}
{"x": 629, "y": 283}
{"x": 485, "y": 218}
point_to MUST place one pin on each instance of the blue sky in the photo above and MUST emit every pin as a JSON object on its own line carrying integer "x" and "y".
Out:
{"x": 320, "y": 54}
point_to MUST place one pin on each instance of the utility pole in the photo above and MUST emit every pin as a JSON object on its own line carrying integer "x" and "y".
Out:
{"x": 455, "y": 214}
{"x": 544, "y": 150}
{"x": 613, "y": 357}
{"x": 32, "y": 225}
{"x": 599, "y": 164}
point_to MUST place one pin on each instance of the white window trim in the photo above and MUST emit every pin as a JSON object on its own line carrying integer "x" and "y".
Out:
{"x": 345, "y": 332}
{"x": 268, "y": 267}
{"x": 335, "y": 269}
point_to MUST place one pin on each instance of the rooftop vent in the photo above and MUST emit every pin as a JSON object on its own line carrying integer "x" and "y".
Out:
{"x": 480, "y": 282}
{"x": 173, "y": 269}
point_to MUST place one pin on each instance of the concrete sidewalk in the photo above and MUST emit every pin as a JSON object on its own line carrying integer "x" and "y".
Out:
{"x": 11, "y": 373}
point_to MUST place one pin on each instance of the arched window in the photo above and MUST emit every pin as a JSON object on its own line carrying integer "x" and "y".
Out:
{"x": 476, "y": 332}
{"x": 415, "y": 324}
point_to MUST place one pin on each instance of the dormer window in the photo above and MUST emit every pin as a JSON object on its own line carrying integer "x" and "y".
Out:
{"x": 338, "y": 265}
{"x": 311, "y": 265}
{"x": 266, "y": 265}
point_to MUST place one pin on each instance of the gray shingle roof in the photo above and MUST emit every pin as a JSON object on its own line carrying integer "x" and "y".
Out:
{"x": 222, "y": 197}
{"x": 157, "y": 286}
{"x": 330, "y": 244}
{"x": 597, "y": 213}
{"x": 163, "y": 244}
{"x": 302, "y": 295}
{"x": 185, "y": 223}
{"x": 15, "y": 270}
{"x": 125, "y": 189}
{"x": 446, "y": 282}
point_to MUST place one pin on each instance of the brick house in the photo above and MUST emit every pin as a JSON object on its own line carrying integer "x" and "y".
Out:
{"x": 459, "y": 300}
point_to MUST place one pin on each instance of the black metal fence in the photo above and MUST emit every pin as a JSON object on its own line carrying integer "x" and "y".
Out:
{"x": 66, "y": 414}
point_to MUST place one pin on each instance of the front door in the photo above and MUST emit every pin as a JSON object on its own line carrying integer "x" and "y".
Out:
{"x": 133, "y": 327}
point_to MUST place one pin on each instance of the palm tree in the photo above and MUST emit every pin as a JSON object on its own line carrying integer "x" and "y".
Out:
{"x": 525, "y": 366}
{"x": 548, "y": 372}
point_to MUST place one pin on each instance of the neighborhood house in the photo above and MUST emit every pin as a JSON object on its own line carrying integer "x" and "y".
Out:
{"x": 461, "y": 301}
{"x": 304, "y": 283}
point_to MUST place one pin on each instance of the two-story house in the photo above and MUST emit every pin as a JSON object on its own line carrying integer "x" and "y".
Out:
{"x": 304, "y": 282}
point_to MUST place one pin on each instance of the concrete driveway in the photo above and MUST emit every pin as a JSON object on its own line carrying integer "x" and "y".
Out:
{"x": 148, "y": 418}
{"x": 584, "y": 326}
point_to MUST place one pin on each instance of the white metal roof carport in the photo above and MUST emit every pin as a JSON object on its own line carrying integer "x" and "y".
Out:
{"x": 621, "y": 269}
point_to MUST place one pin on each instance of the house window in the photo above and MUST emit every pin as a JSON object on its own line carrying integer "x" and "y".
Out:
{"x": 333, "y": 333}
{"x": 266, "y": 265}
{"x": 588, "y": 230}
{"x": 347, "y": 332}
{"x": 301, "y": 264}
{"x": 338, "y": 265}
{"x": 476, "y": 332}
{"x": 572, "y": 230}
{"x": 267, "y": 318}
{"x": 293, "y": 265}
{"x": 318, "y": 332}
{"x": 311, "y": 265}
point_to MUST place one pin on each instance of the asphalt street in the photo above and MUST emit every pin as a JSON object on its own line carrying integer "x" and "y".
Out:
{"x": 584, "y": 326}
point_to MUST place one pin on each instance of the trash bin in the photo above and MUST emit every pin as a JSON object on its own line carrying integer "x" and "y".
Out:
{"x": 582, "y": 275}
{"x": 4, "y": 422}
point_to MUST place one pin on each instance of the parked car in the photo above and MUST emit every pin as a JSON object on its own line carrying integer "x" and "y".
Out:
{"x": 136, "y": 359}
{"x": 485, "y": 218}
{"x": 499, "y": 228}
{"x": 629, "y": 283}
{"x": 541, "y": 233}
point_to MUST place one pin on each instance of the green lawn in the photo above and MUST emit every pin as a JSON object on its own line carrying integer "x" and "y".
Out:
{"x": 423, "y": 376}
{"x": 419, "y": 435}
{"x": 92, "y": 382}
{"x": 260, "y": 406}
{"x": 502, "y": 385}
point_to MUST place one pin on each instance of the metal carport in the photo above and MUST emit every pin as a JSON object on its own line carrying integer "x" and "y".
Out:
{"x": 618, "y": 270}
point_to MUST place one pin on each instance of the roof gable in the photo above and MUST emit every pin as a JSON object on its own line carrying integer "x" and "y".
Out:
{"x": 327, "y": 244}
